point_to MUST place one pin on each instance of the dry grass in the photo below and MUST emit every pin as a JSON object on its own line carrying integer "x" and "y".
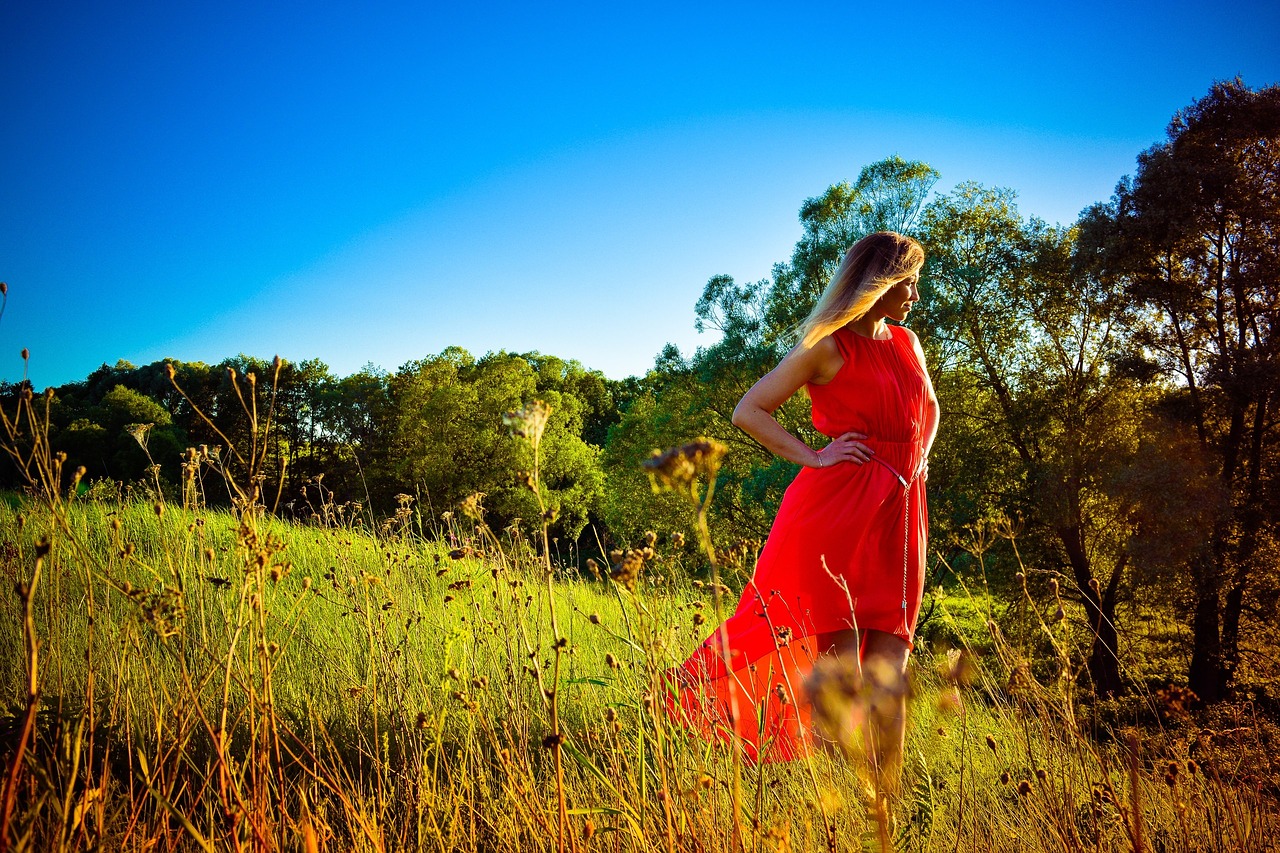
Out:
{"x": 181, "y": 678}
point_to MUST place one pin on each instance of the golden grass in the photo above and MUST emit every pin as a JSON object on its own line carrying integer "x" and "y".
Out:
{"x": 181, "y": 679}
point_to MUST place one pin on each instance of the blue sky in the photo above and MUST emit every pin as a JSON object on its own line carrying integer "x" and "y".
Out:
{"x": 374, "y": 182}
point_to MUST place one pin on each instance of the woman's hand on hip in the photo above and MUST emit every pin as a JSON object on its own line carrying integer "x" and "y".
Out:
{"x": 845, "y": 448}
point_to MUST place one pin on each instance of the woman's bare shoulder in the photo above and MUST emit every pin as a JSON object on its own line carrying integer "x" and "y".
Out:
{"x": 824, "y": 359}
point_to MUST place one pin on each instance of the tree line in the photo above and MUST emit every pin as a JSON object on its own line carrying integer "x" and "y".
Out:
{"x": 1108, "y": 389}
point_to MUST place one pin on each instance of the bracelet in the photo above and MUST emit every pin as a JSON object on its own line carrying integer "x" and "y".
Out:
{"x": 819, "y": 454}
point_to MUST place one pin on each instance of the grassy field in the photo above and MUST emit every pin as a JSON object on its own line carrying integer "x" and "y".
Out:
{"x": 205, "y": 680}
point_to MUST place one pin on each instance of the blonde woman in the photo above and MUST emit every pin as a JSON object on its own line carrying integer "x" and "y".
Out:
{"x": 841, "y": 573}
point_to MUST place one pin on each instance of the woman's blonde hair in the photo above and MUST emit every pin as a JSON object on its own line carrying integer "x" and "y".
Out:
{"x": 869, "y": 268}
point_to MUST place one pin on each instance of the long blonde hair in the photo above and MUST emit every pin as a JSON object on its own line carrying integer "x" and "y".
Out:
{"x": 869, "y": 268}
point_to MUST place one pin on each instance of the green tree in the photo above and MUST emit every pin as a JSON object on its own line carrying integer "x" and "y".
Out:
{"x": 99, "y": 436}
{"x": 448, "y": 439}
{"x": 1033, "y": 331}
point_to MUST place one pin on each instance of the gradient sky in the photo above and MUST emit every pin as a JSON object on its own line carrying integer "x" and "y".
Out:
{"x": 370, "y": 183}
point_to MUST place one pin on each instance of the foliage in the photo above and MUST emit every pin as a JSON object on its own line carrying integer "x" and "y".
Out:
{"x": 1192, "y": 238}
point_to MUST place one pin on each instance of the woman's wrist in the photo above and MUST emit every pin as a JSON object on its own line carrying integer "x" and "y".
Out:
{"x": 817, "y": 459}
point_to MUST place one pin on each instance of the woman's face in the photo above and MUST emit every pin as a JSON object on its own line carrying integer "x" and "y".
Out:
{"x": 895, "y": 303}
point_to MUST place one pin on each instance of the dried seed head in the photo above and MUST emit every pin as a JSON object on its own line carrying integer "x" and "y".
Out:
{"x": 626, "y": 571}
{"x": 678, "y": 469}
{"x": 610, "y": 661}
{"x": 1004, "y": 777}
{"x": 594, "y": 618}
{"x": 472, "y": 506}
{"x": 1176, "y": 701}
{"x": 834, "y": 688}
{"x": 650, "y": 538}
{"x": 1041, "y": 774}
{"x": 991, "y": 742}
{"x": 529, "y": 422}
{"x": 1024, "y": 788}
{"x": 959, "y": 667}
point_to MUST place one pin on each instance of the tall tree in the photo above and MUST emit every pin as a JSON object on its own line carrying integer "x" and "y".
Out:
{"x": 1013, "y": 309}
{"x": 1195, "y": 236}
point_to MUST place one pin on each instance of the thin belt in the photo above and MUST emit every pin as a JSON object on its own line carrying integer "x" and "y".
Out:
{"x": 906, "y": 529}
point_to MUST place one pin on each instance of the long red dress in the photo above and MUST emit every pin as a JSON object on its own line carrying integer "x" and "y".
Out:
{"x": 867, "y": 523}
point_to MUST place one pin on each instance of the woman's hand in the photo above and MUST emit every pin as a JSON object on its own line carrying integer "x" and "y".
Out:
{"x": 845, "y": 448}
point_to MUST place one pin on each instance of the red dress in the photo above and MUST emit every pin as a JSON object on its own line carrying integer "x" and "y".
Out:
{"x": 867, "y": 523}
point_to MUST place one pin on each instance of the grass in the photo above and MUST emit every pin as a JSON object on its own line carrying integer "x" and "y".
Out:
{"x": 380, "y": 694}
{"x": 180, "y": 678}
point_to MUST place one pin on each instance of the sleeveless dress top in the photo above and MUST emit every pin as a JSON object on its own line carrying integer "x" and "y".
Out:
{"x": 846, "y": 550}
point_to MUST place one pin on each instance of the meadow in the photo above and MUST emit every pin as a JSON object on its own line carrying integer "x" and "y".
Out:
{"x": 262, "y": 643}
{"x": 179, "y": 677}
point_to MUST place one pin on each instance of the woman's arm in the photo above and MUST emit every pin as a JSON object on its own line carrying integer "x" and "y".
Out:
{"x": 754, "y": 412}
{"x": 932, "y": 410}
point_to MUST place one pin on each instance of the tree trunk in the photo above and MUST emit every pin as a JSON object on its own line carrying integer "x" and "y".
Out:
{"x": 1206, "y": 675}
{"x": 1104, "y": 659}
{"x": 1251, "y": 527}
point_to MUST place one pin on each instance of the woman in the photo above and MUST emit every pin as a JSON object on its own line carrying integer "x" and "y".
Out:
{"x": 841, "y": 573}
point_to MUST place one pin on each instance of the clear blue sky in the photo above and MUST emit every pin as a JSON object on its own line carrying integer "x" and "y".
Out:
{"x": 373, "y": 182}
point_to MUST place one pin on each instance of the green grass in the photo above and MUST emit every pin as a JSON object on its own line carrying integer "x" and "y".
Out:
{"x": 257, "y": 685}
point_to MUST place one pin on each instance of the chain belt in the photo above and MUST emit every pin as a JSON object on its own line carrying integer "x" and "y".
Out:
{"x": 906, "y": 528}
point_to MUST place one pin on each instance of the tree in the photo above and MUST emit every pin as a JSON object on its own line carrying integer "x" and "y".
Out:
{"x": 448, "y": 439}
{"x": 1012, "y": 308}
{"x": 118, "y": 435}
{"x": 1194, "y": 238}
{"x": 889, "y": 194}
